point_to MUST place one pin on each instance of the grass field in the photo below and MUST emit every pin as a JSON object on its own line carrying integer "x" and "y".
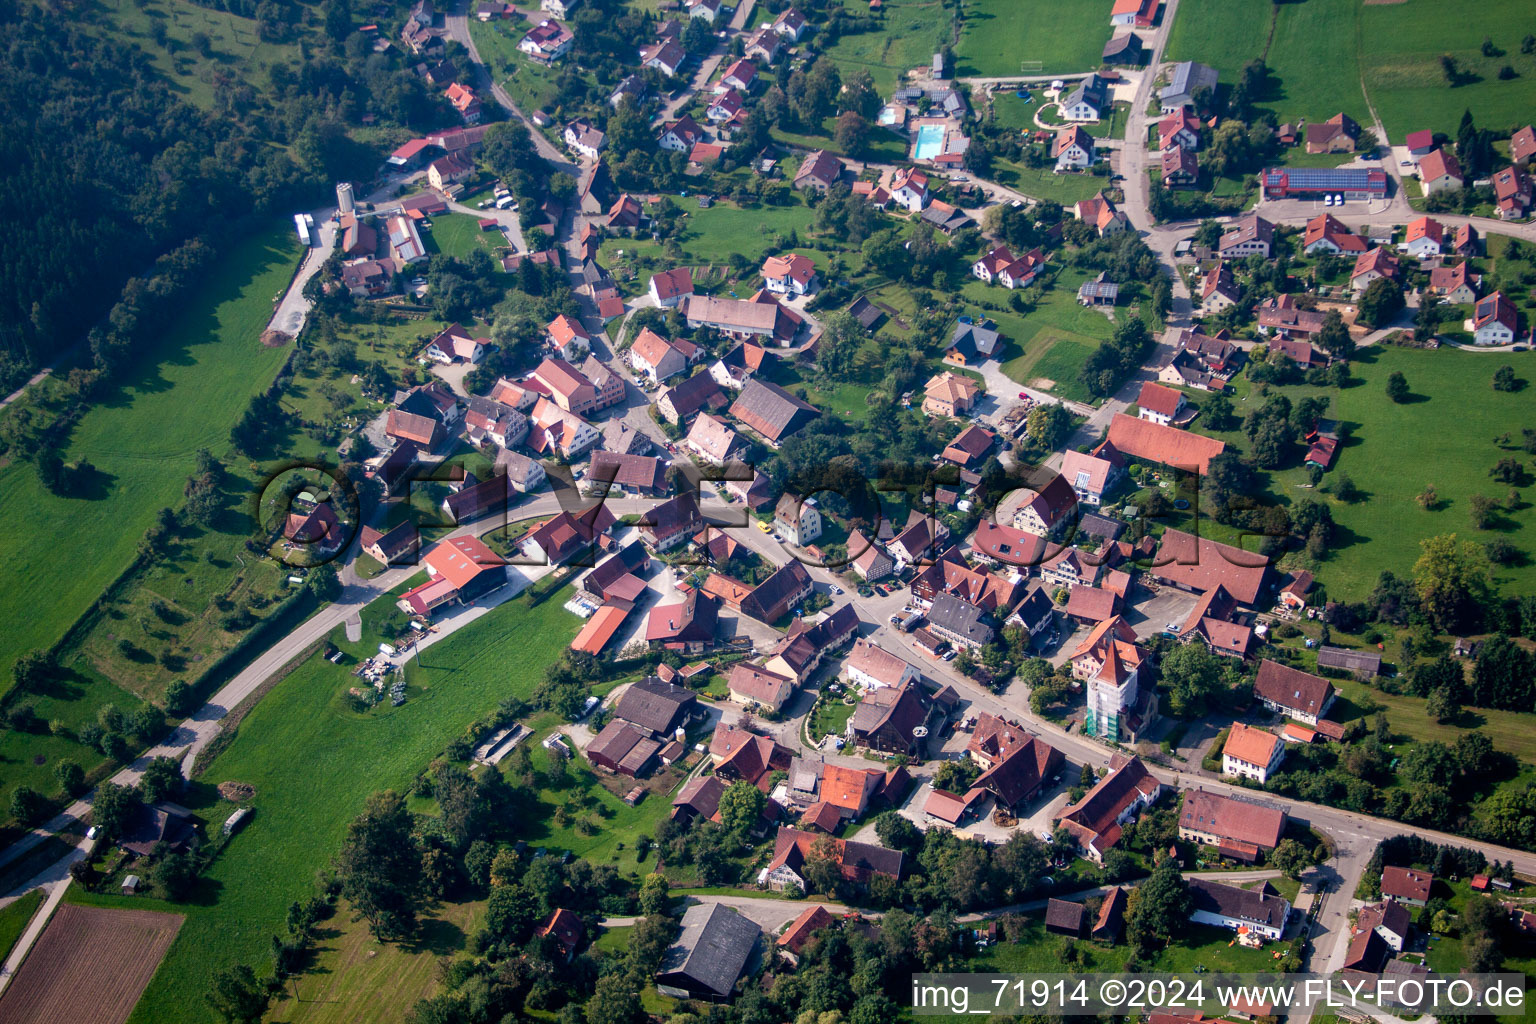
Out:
{"x": 459, "y": 234}
{"x": 1200, "y": 946}
{"x": 355, "y": 978}
{"x": 1313, "y": 53}
{"x": 1045, "y": 183}
{"x": 181, "y": 395}
{"x": 1444, "y": 436}
{"x": 14, "y": 917}
{"x": 233, "y": 45}
{"x": 712, "y": 236}
{"x": 913, "y": 31}
{"x": 1052, "y": 341}
{"x": 618, "y": 823}
{"x": 996, "y": 35}
{"x": 1322, "y": 49}
{"x": 313, "y": 761}
{"x": 1400, "y": 50}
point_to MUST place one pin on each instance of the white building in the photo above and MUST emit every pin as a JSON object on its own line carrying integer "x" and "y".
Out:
{"x": 872, "y": 667}
{"x": 1251, "y": 753}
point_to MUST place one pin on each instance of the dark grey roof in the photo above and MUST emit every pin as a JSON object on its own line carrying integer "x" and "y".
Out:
{"x": 960, "y": 618}
{"x": 1349, "y": 661}
{"x": 1095, "y": 525}
{"x": 1034, "y": 609}
{"x": 1130, "y": 43}
{"x": 1252, "y": 905}
{"x": 770, "y": 410}
{"x": 982, "y": 337}
{"x": 617, "y": 565}
{"x": 1092, "y": 90}
{"x": 1187, "y": 77}
{"x": 653, "y": 704}
{"x": 714, "y": 946}
{"x": 1062, "y": 914}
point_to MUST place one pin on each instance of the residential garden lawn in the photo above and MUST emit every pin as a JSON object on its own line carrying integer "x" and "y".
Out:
{"x": 313, "y": 761}
{"x": 1444, "y": 437}
{"x": 459, "y": 234}
{"x": 1313, "y": 52}
{"x": 997, "y": 35}
{"x": 615, "y": 941}
{"x": 234, "y": 45}
{"x": 1111, "y": 127}
{"x": 1012, "y": 112}
{"x": 885, "y": 146}
{"x": 617, "y": 824}
{"x": 845, "y": 400}
{"x": 1446, "y": 955}
{"x": 1039, "y": 951}
{"x": 1052, "y": 341}
{"x": 1044, "y": 183}
{"x": 354, "y": 977}
{"x": 829, "y": 717}
{"x": 14, "y": 917}
{"x": 911, "y": 33}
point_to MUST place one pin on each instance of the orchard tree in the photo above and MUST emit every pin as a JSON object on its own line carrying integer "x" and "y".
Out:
{"x": 1452, "y": 580}
{"x": 237, "y": 996}
{"x": 1397, "y": 387}
{"x": 380, "y": 868}
{"x": 741, "y": 805}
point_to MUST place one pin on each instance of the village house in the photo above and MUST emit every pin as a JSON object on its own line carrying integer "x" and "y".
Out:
{"x": 1388, "y": 919}
{"x": 1126, "y": 49}
{"x": 1095, "y": 821}
{"x": 921, "y": 540}
{"x": 1338, "y": 134}
{"x": 670, "y": 287}
{"x": 1159, "y": 404}
{"x": 583, "y": 139}
{"x": 1180, "y": 131}
{"x": 1092, "y": 477}
{"x": 1511, "y": 193}
{"x": 1326, "y": 234}
{"x": 1408, "y": 886}
{"x": 868, "y": 558}
{"x": 1251, "y": 753}
{"x": 1439, "y": 171}
{"x": 1281, "y": 316}
{"x": 1087, "y": 101}
{"x": 1455, "y": 284}
{"x": 1072, "y": 149}
{"x": 894, "y": 719}
{"x": 819, "y": 169}
{"x": 950, "y": 394}
{"x": 713, "y": 441}
{"x": 686, "y": 626}
{"x": 1218, "y": 289}
{"x": 665, "y": 55}
{"x": 797, "y": 522}
{"x": 1255, "y": 914}
{"x": 669, "y": 523}
{"x": 655, "y": 357}
{"x": 1180, "y": 168}
{"x": 870, "y": 666}
{"x": 1240, "y": 829}
{"x": 802, "y": 651}
{"x": 680, "y": 136}
{"x": 755, "y": 685}
{"x": 859, "y": 862}
{"x": 792, "y": 274}
{"x": 1247, "y": 236}
{"x": 681, "y": 402}
{"x": 1292, "y": 692}
{"x": 547, "y": 42}
{"x": 1495, "y": 321}
{"x": 779, "y": 594}
{"x": 1139, "y": 13}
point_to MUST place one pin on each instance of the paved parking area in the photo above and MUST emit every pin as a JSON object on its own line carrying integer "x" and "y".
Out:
{"x": 1167, "y": 605}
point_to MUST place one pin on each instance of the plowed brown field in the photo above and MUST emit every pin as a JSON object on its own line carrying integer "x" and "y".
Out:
{"x": 89, "y": 966}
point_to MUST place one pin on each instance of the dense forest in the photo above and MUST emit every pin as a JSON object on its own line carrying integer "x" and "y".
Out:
{"x": 107, "y": 170}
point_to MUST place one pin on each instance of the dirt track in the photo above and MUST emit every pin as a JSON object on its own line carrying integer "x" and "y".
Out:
{"x": 89, "y": 967}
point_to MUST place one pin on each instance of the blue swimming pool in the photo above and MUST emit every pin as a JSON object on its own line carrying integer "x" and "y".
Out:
{"x": 930, "y": 142}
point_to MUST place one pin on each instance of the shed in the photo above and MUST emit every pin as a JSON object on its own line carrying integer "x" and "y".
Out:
{"x": 130, "y": 885}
